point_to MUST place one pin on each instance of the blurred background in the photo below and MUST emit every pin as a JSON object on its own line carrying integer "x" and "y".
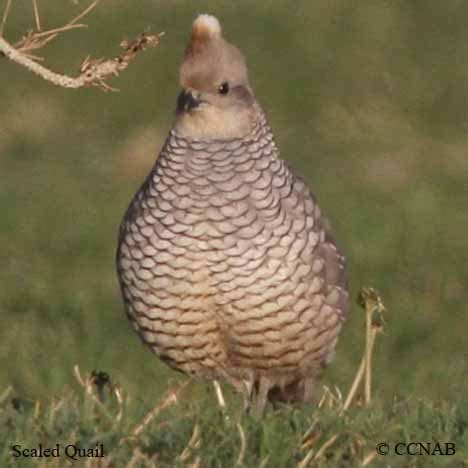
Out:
{"x": 368, "y": 101}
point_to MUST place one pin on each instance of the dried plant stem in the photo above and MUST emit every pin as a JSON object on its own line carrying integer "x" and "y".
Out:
{"x": 311, "y": 455}
{"x": 72, "y": 24}
{"x": 370, "y": 339}
{"x": 36, "y": 15}
{"x": 48, "y": 75}
{"x": 307, "y": 459}
{"x": 219, "y": 395}
{"x": 6, "y": 11}
{"x": 243, "y": 447}
{"x": 6, "y": 393}
{"x": 38, "y": 39}
{"x": 170, "y": 399}
{"x": 193, "y": 444}
{"x": 93, "y": 72}
{"x": 137, "y": 456}
{"x": 369, "y": 458}
{"x": 362, "y": 373}
{"x": 50, "y": 32}
{"x": 84, "y": 12}
{"x": 196, "y": 463}
{"x": 325, "y": 446}
{"x": 373, "y": 306}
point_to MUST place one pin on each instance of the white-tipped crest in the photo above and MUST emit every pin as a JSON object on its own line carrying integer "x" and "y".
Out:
{"x": 206, "y": 25}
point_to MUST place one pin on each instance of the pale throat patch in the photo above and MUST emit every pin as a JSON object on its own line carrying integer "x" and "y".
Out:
{"x": 209, "y": 122}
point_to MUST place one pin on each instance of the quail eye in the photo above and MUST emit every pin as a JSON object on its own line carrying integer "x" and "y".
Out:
{"x": 224, "y": 88}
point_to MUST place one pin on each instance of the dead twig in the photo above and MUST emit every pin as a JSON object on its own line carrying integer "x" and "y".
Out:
{"x": 36, "y": 15}
{"x": 6, "y": 11}
{"x": 38, "y": 39}
{"x": 93, "y": 72}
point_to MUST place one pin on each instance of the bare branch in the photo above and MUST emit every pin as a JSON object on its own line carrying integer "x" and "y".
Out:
{"x": 93, "y": 72}
{"x": 61, "y": 80}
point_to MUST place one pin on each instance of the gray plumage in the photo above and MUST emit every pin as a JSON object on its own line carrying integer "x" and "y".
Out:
{"x": 226, "y": 266}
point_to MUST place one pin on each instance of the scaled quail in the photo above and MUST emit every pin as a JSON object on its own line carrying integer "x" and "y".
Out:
{"x": 227, "y": 268}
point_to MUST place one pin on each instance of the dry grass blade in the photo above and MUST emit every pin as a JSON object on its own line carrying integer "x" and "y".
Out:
{"x": 37, "y": 409}
{"x": 170, "y": 399}
{"x": 6, "y": 394}
{"x": 87, "y": 10}
{"x": 36, "y": 40}
{"x": 67, "y": 27}
{"x": 329, "y": 399}
{"x": 36, "y": 15}
{"x": 355, "y": 385}
{"x": 193, "y": 443}
{"x": 311, "y": 455}
{"x": 326, "y": 446}
{"x": 243, "y": 447}
{"x": 137, "y": 456}
{"x": 120, "y": 400}
{"x": 106, "y": 462}
{"x": 369, "y": 458}
{"x": 77, "y": 374}
{"x": 196, "y": 463}
{"x": 219, "y": 394}
{"x": 311, "y": 436}
{"x": 6, "y": 12}
{"x": 304, "y": 463}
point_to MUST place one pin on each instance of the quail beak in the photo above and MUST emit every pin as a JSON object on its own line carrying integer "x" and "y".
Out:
{"x": 187, "y": 101}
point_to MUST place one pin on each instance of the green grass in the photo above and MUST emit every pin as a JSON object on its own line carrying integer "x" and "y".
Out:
{"x": 368, "y": 100}
{"x": 187, "y": 431}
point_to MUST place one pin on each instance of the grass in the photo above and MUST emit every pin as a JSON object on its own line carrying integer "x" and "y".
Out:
{"x": 195, "y": 433}
{"x": 367, "y": 101}
{"x": 99, "y": 425}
